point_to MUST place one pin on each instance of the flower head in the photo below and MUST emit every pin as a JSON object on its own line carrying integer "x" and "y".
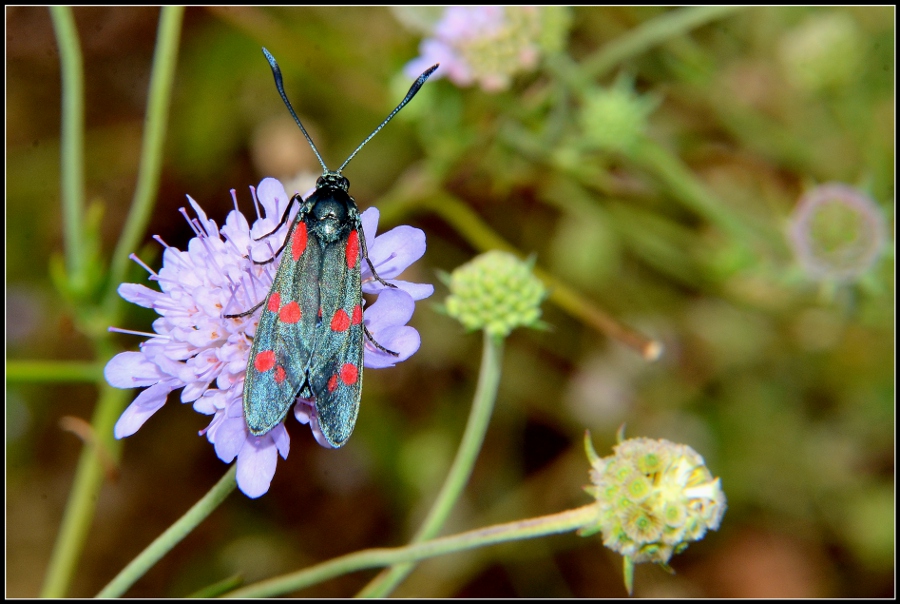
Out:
{"x": 196, "y": 348}
{"x": 496, "y": 292}
{"x": 837, "y": 232}
{"x": 653, "y": 498}
{"x": 488, "y": 45}
{"x": 824, "y": 52}
{"x": 615, "y": 118}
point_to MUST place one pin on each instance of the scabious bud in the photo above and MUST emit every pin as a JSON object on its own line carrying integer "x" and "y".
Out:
{"x": 653, "y": 498}
{"x": 615, "y": 118}
{"x": 488, "y": 45}
{"x": 823, "y": 52}
{"x": 837, "y": 232}
{"x": 496, "y": 292}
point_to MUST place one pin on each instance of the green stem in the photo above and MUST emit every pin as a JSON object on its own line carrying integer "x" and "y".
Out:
{"x": 71, "y": 143}
{"x": 651, "y": 33}
{"x": 165, "y": 59}
{"x": 542, "y": 526}
{"x": 89, "y": 475}
{"x": 460, "y": 471}
{"x": 685, "y": 187}
{"x": 52, "y": 371}
{"x": 172, "y": 537}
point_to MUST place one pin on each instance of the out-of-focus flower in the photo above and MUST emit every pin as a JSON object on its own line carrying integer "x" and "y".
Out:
{"x": 837, "y": 232}
{"x": 653, "y": 498}
{"x": 496, "y": 292}
{"x": 615, "y": 118}
{"x": 488, "y": 45}
{"x": 823, "y": 52}
{"x": 195, "y": 347}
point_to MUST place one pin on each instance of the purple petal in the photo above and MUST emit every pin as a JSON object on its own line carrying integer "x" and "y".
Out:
{"x": 404, "y": 340}
{"x": 139, "y": 411}
{"x": 394, "y": 251}
{"x": 417, "y": 291}
{"x": 131, "y": 370}
{"x": 256, "y": 465}
{"x": 140, "y": 294}
{"x": 392, "y": 307}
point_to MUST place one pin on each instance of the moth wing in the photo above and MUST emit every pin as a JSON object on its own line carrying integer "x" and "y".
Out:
{"x": 336, "y": 370}
{"x": 285, "y": 336}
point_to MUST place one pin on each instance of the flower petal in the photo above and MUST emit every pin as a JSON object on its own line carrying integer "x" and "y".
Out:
{"x": 131, "y": 370}
{"x": 256, "y": 465}
{"x": 142, "y": 407}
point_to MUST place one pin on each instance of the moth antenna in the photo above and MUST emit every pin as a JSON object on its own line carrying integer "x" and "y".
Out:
{"x": 279, "y": 83}
{"x": 409, "y": 95}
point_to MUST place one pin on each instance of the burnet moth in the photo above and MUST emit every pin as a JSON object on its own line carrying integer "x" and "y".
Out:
{"x": 309, "y": 341}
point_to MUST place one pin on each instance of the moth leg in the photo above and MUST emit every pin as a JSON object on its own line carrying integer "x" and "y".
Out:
{"x": 246, "y": 312}
{"x": 377, "y": 345}
{"x": 281, "y": 223}
{"x": 365, "y": 250}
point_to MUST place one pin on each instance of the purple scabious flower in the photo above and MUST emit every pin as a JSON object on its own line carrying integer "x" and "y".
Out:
{"x": 488, "y": 45}
{"x": 196, "y": 348}
{"x": 837, "y": 232}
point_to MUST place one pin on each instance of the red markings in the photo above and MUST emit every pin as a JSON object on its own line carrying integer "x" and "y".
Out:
{"x": 274, "y": 302}
{"x": 280, "y": 374}
{"x": 352, "y": 249}
{"x": 332, "y": 383}
{"x": 298, "y": 242}
{"x": 356, "y": 319}
{"x": 290, "y": 312}
{"x": 349, "y": 373}
{"x": 340, "y": 321}
{"x": 264, "y": 361}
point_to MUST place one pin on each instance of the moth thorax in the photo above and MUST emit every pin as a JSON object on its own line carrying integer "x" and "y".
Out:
{"x": 329, "y": 217}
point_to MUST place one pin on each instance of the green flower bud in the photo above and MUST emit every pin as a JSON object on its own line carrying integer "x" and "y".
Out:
{"x": 825, "y": 51}
{"x": 615, "y": 118}
{"x": 496, "y": 292}
{"x": 653, "y": 498}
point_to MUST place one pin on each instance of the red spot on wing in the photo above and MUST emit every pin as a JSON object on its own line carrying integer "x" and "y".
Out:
{"x": 349, "y": 373}
{"x": 340, "y": 321}
{"x": 280, "y": 374}
{"x": 332, "y": 383}
{"x": 298, "y": 242}
{"x": 352, "y": 249}
{"x": 356, "y": 319}
{"x": 274, "y": 302}
{"x": 264, "y": 361}
{"x": 290, "y": 312}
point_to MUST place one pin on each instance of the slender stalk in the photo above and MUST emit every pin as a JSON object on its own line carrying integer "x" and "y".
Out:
{"x": 460, "y": 471}
{"x": 89, "y": 475}
{"x": 72, "y": 142}
{"x": 165, "y": 59}
{"x": 651, "y": 33}
{"x": 52, "y": 371}
{"x": 171, "y": 537}
{"x": 542, "y": 526}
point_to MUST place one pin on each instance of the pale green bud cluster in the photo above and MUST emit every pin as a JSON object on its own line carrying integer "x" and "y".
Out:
{"x": 495, "y": 292}
{"x": 615, "y": 118}
{"x": 653, "y": 498}
{"x": 823, "y": 52}
{"x": 515, "y": 43}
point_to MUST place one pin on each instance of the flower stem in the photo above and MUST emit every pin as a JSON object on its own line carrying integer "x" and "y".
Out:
{"x": 651, "y": 33}
{"x": 542, "y": 526}
{"x": 72, "y": 142}
{"x": 171, "y": 537}
{"x": 162, "y": 77}
{"x": 460, "y": 471}
{"x": 89, "y": 475}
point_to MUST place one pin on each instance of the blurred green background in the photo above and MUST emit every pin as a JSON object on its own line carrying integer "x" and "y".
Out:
{"x": 784, "y": 385}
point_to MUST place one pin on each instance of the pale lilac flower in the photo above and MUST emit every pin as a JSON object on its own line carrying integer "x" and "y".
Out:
{"x": 196, "y": 348}
{"x": 488, "y": 45}
{"x": 837, "y": 232}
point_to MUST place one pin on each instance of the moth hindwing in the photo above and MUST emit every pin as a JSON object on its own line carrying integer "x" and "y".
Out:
{"x": 310, "y": 337}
